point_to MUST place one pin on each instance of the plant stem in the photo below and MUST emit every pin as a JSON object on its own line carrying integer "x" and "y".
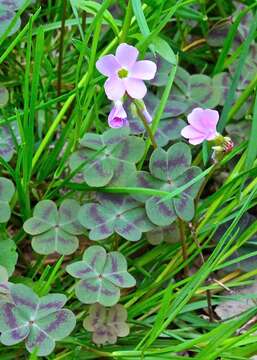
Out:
{"x": 60, "y": 60}
{"x": 146, "y": 125}
{"x": 183, "y": 244}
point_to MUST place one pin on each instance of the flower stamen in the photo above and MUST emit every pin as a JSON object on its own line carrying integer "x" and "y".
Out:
{"x": 123, "y": 73}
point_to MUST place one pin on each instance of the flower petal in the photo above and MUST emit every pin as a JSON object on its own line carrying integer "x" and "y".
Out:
{"x": 114, "y": 88}
{"x": 197, "y": 140}
{"x": 108, "y": 65}
{"x": 204, "y": 120}
{"x": 135, "y": 88}
{"x": 117, "y": 117}
{"x": 189, "y": 132}
{"x": 144, "y": 70}
{"x": 126, "y": 55}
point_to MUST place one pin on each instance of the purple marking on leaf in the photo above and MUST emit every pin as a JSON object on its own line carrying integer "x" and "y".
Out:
{"x": 101, "y": 331}
{"x": 115, "y": 140}
{"x": 107, "y": 292}
{"x": 197, "y": 85}
{"x": 125, "y": 149}
{"x": 83, "y": 272}
{"x": 36, "y": 223}
{"x": 114, "y": 264}
{"x": 61, "y": 317}
{"x": 38, "y": 340}
{"x": 182, "y": 80}
{"x": 51, "y": 305}
{"x": 181, "y": 203}
{"x": 48, "y": 240}
{"x": 46, "y": 211}
{"x": 173, "y": 110}
{"x": 164, "y": 209}
{"x": 103, "y": 229}
{"x": 118, "y": 277}
{"x": 142, "y": 181}
{"x": 180, "y": 160}
{"x": 21, "y": 301}
{"x": 5, "y": 151}
{"x": 7, "y": 16}
{"x": 89, "y": 286}
{"x": 63, "y": 240}
{"x": 114, "y": 199}
{"x": 99, "y": 168}
{"x": 127, "y": 229}
{"x": 8, "y": 316}
{"x": 93, "y": 262}
{"x": 93, "y": 211}
{"x": 171, "y": 125}
{"x": 118, "y": 172}
{"x": 4, "y": 286}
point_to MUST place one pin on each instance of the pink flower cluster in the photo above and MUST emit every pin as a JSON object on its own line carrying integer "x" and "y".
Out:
{"x": 125, "y": 75}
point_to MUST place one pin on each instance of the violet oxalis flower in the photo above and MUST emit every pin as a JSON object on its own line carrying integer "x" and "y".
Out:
{"x": 202, "y": 126}
{"x": 125, "y": 73}
{"x": 118, "y": 116}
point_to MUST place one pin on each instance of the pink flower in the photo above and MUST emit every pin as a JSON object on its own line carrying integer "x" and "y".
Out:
{"x": 117, "y": 117}
{"x": 202, "y": 126}
{"x": 125, "y": 73}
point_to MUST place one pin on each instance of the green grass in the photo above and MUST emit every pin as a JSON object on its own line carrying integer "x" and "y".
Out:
{"x": 168, "y": 311}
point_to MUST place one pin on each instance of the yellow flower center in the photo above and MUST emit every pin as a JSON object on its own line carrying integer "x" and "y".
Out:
{"x": 123, "y": 73}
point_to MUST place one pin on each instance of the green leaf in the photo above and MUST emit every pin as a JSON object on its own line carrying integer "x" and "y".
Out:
{"x": 53, "y": 230}
{"x": 8, "y": 255}
{"x": 114, "y": 214}
{"x": 102, "y": 275}
{"x": 106, "y": 324}
{"x": 38, "y": 321}
{"x": 164, "y": 50}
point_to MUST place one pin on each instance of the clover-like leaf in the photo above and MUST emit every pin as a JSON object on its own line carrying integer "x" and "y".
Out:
{"x": 53, "y": 230}
{"x": 106, "y": 324}
{"x": 170, "y": 170}
{"x": 169, "y": 234}
{"x": 37, "y": 321}
{"x": 191, "y": 91}
{"x": 102, "y": 275}
{"x": 114, "y": 213}
{"x": 8, "y": 255}
{"x": 113, "y": 156}
{"x": 6, "y": 193}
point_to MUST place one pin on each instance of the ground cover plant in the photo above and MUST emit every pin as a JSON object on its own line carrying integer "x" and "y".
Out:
{"x": 128, "y": 186}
